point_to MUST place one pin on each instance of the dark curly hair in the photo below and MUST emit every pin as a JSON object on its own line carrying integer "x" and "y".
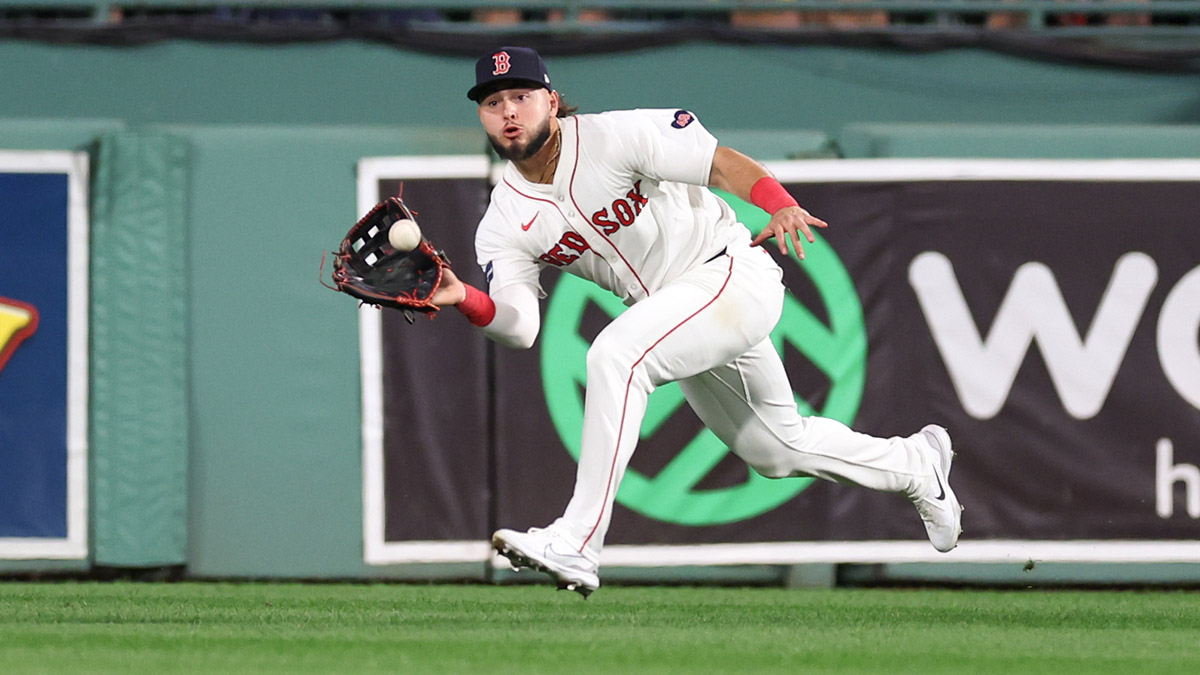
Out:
{"x": 564, "y": 108}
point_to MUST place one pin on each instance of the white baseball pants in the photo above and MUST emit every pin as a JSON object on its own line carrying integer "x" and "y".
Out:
{"x": 710, "y": 330}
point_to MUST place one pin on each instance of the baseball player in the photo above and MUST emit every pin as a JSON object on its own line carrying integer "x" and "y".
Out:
{"x": 621, "y": 199}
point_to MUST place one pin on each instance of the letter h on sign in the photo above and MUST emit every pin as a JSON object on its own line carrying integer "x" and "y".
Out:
{"x": 1166, "y": 474}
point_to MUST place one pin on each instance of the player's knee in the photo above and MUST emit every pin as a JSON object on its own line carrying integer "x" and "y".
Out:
{"x": 761, "y": 455}
{"x": 771, "y": 470}
{"x": 608, "y": 353}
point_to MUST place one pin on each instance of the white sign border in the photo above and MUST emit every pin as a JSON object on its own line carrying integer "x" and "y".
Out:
{"x": 377, "y": 551}
{"x": 75, "y": 165}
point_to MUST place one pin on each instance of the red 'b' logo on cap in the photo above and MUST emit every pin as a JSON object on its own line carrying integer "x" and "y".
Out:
{"x": 501, "y": 61}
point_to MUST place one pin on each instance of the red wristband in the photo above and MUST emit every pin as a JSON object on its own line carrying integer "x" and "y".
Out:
{"x": 477, "y": 306}
{"x": 768, "y": 195}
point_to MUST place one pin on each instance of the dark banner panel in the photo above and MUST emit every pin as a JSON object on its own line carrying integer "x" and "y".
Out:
{"x": 1029, "y": 318}
{"x": 1024, "y": 315}
{"x": 435, "y": 388}
{"x": 1052, "y": 324}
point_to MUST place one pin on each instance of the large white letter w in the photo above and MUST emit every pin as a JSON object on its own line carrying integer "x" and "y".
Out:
{"x": 983, "y": 370}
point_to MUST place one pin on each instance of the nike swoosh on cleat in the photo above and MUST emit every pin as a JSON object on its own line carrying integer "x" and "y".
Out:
{"x": 942, "y": 490}
{"x": 570, "y": 554}
{"x": 528, "y": 225}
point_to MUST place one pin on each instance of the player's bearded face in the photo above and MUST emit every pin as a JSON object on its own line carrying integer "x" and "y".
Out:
{"x": 516, "y": 150}
{"x": 517, "y": 121}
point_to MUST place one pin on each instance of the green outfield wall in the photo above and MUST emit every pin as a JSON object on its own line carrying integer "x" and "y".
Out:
{"x": 253, "y": 151}
{"x": 349, "y": 83}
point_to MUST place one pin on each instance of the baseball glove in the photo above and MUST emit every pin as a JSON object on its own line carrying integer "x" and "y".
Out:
{"x": 368, "y": 268}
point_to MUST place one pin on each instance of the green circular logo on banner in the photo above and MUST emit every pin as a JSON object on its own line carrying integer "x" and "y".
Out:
{"x": 839, "y": 350}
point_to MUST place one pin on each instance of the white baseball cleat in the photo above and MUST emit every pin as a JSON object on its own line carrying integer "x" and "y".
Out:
{"x": 939, "y": 507}
{"x": 547, "y": 551}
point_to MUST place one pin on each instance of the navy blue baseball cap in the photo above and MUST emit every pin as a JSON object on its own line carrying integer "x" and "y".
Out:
{"x": 506, "y": 68}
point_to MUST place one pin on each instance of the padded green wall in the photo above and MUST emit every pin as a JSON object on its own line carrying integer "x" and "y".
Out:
{"x": 139, "y": 360}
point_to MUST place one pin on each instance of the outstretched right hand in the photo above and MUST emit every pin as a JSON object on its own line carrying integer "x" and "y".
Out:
{"x": 450, "y": 292}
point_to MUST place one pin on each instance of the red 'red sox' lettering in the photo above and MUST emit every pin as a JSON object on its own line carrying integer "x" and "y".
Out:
{"x": 566, "y": 251}
{"x": 625, "y": 209}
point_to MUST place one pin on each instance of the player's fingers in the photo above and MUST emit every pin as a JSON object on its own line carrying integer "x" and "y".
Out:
{"x": 773, "y": 230}
{"x": 796, "y": 245}
{"x": 781, "y": 238}
{"x": 807, "y": 232}
{"x": 813, "y": 220}
{"x": 781, "y": 242}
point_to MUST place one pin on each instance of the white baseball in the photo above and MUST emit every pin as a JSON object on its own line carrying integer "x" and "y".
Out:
{"x": 404, "y": 235}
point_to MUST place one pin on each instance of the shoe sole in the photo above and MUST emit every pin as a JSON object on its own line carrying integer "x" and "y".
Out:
{"x": 945, "y": 448}
{"x": 520, "y": 559}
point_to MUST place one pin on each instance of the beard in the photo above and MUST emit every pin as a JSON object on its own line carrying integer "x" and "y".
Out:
{"x": 517, "y": 152}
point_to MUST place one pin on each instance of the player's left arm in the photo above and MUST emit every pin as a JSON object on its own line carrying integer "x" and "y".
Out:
{"x": 750, "y": 181}
{"x": 450, "y": 291}
{"x": 508, "y": 316}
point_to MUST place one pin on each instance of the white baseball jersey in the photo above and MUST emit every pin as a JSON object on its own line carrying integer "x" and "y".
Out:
{"x": 626, "y": 209}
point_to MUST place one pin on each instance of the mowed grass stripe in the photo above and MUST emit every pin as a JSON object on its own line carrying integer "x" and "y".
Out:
{"x": 372, "y": 628}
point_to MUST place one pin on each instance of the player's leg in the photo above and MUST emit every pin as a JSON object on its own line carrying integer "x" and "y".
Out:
{"x": 748, "y": 403}
{"x": 706, "y": 318}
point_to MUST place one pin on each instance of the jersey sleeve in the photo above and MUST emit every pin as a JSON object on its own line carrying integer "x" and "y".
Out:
{"x": 517, "y": 320}
{"x": 504, "y": 264}
{"x": 513, "y": 285}
{"x": 666, "y": 144}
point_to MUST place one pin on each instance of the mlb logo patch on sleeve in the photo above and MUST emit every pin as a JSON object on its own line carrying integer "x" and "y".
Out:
{"x": 682, "y": 119}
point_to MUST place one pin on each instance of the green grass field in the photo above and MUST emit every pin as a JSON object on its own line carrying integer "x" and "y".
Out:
{"x": 356, "y": 628}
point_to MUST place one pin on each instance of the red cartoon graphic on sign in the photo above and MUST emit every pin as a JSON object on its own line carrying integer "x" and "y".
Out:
{"x": 18, "y": 320}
